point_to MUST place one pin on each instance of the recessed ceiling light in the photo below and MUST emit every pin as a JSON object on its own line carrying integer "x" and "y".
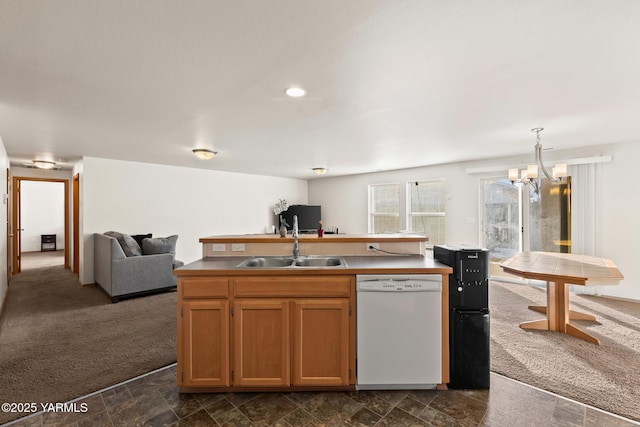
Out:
{"x": 204, "y": 154}
{"x": 295, "y": 92}
{"x": 320, "y": 171}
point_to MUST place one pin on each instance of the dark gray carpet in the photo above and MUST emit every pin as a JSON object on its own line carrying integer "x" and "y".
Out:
{"x": 604, "y": 376}
{"x": 60, "y": 340}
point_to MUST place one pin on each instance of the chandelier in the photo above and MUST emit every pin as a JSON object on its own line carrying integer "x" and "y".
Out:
{"x": 530, "y": 174}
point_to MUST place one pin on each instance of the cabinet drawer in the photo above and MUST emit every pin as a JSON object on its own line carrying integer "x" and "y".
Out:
{"x": 204, "y": 287}
{"x": 302, "y": 286}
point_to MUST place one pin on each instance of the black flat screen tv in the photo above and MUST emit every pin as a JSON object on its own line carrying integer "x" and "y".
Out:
{"x": 308, "y": 217}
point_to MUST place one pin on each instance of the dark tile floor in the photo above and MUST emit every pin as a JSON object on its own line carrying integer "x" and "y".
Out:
{"x": 153, "y": 400}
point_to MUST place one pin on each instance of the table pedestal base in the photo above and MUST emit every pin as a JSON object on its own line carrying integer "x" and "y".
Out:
{"x": 559, "y": 314}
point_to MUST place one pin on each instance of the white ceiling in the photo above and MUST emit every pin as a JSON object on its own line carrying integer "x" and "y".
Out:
{"x": 391, "y": 84}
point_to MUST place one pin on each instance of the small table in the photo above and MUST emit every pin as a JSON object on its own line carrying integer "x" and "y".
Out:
{"x": 48, "y": 240}
{"x": 560, "y": 270}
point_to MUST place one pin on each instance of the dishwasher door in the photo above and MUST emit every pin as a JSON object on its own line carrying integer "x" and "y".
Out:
{"x": 399, "y": 333}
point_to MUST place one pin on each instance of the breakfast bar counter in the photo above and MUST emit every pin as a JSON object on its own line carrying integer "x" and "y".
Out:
{"x": 312, "y": 244}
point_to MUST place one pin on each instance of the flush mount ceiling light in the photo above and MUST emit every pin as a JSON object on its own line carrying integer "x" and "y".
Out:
{"x": 44, "y": 164}
{"x": 530, "y": 174}
{"x": 295, "y": 92}
{"x": 204, "y": 154}
{"x": 320, "y": 171}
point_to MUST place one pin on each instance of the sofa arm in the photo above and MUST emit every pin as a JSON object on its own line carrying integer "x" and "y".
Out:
{"x": 105, "y": 250}
{"x": 142, "y": 273}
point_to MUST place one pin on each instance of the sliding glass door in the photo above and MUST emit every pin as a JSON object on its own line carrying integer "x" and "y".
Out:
{"x": 518, "y": 218}
{"x": 502, "y": 218}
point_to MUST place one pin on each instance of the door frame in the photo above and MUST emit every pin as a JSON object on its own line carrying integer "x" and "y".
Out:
{"x": 10, "y": 237}
{"x": 76, "y": 224}
{"x": 16, "y": 218}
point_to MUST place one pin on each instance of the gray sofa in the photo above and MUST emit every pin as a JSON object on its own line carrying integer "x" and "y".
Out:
{"x": 122, "y": 274}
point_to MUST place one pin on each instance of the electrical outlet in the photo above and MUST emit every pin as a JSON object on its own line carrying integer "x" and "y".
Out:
{"x": 237, "y": 247}
{"x": 373, "y": 246}
{"x": 218, "y": 247}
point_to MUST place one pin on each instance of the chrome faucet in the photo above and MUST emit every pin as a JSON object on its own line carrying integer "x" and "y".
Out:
{"x": 294, "y": 234}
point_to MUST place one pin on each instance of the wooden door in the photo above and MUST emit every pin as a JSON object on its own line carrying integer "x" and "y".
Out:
{"x": 321, "y": 342}
{"x": 261, "y": 342}
{"x": 205, "y": 343}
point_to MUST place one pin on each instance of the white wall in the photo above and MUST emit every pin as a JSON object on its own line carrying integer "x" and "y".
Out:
{"x": 136, "y": 198}
{"x": 618, "y": 234}
{"x": 41, "y": 212}
{"x": 4, "y": 164}
{"x": 344, "y": 203}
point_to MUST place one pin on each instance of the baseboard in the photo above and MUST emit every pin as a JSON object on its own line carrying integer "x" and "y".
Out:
{"x": 611, "y": 297}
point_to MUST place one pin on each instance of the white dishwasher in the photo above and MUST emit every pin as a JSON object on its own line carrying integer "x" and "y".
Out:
{"x": 399, "y": 331}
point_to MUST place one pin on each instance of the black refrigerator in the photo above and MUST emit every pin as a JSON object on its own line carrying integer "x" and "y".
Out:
{"x": 468, "y": 315}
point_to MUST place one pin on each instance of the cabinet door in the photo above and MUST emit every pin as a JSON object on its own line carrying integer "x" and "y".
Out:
{"x": 205, "y": 343}
{"x": 321, "y": 342}
{"x": 261, "y": 342}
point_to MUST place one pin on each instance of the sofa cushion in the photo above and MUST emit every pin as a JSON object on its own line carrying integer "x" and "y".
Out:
{"x": 159, "y": 245}
{"x": 128, "y": 244}
{"x": 140, "y": 237}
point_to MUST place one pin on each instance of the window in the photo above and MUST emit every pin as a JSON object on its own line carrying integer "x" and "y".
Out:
{"x": 425, "y": 209}
{"x": 384, "y": 208}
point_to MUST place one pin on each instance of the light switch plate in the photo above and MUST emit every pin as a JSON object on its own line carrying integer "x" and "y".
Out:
{"x": 218, "y": 247}
{"x": 237, "y": 247}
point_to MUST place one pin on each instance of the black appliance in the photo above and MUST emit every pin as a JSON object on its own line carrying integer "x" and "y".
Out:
{"x": 308, "y": 217}
{"x": 468, "y": 315}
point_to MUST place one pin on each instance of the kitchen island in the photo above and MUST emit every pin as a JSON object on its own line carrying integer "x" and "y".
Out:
{"x": 290, "y": 328}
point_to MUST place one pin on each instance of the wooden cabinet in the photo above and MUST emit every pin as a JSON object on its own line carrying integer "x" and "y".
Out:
{"x": 261, "y": 342}
{"x": 272, "y": 331}
{"x": 205, "y": 343}
{"x": 321, "y": 342}
{"x": 203, "y": 333}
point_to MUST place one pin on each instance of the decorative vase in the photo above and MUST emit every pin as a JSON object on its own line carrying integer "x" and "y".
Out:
{"x": 320, "y": 232}
{"x": 283, "y": 231}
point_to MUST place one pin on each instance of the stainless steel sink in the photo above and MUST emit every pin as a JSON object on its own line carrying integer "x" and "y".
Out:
{"x": 266, "y": 262}
{"x": 319, "y": 262}
{"x": 290, "y": 262}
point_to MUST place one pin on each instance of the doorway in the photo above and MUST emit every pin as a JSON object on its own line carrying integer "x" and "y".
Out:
{"x": 35, "y": 240}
